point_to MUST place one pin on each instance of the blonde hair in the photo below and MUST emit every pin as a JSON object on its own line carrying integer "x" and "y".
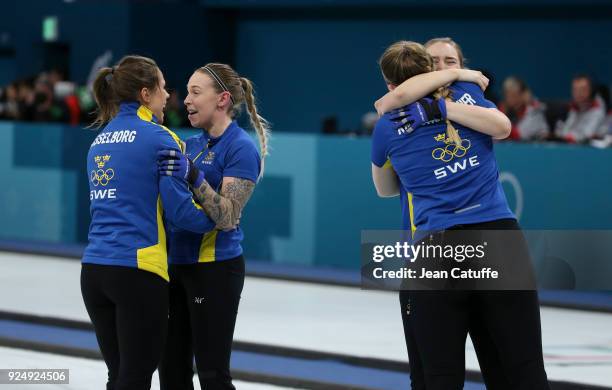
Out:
{"x": 405, "y": 59}
{"x": 241, "y": 92}
{"x": 451, "y": 42}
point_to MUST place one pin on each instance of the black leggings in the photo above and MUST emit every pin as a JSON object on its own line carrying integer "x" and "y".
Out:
{"x": 204, "y": 300}
{"x": 129, "y": 310}
{"x": 504, "y": 327}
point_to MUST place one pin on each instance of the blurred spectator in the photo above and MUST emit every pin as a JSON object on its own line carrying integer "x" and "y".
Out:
{"x": 175, "y": 114}
{"x": 54, "y": 76}
{"x": 368, "y": 122}
{"x": 87, "y": 104}
{"x": 25, "y": 100}
{"x": 606, "y": 128}
{"x": 606, "y": 140}
{"x": 330, "y": 125}
{"x": 9, "y": 103}
{"x": 46, "y": 98}
{"x": 43, "y": 99}
{"x": 586, "y": 114}
{"x": 526, "y": 113}
{"x": 67, "y": 102}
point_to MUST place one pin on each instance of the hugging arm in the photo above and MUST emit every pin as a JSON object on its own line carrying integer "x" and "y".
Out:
{"x": 224, "y": 207}
{"x": 424, "y": 84}
{"x": 484, "y": 120}
{"x": 385, "y": 180}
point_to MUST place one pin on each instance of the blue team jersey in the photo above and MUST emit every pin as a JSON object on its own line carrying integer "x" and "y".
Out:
{"x": 233, "y": 154}
{"x": 130, "y": 200}
{"x": 443, "y": 184}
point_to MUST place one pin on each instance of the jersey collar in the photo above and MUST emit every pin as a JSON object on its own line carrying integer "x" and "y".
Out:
{"x": 227, "y": 134}
{"x": 143, "y": 112}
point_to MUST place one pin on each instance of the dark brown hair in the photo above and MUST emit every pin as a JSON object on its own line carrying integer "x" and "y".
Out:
{"x": 123, "y": 82}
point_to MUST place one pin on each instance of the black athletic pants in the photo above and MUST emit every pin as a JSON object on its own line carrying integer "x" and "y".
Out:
{"x": 504, "y": 327}
{"x": 204, "y": 300}
{"x": 129, "y": 310}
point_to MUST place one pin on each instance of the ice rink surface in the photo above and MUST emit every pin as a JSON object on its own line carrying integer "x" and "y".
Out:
{"x": 344, "y": 320}
{"x": 84, "y": 373}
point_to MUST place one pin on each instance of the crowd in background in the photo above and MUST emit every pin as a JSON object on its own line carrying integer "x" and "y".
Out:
{"x": 49, "y": 97}
{"x": 587, "y": 118}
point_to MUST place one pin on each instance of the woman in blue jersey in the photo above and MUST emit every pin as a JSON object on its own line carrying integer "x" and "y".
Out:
{"x": 124, "y": 277}
{"x": 448, "y": 63}
{"x": 222, "y": 165}
{"x": 449, "y": 174}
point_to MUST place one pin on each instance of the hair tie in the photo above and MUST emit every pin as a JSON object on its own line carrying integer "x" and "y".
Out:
{"x": 219, "y": 81}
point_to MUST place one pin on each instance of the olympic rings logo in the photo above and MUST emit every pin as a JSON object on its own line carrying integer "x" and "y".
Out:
{"x": 451, "y": 151}
{"x": 101, "y": 177}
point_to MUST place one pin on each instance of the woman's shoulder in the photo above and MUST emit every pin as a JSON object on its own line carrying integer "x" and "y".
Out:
{"x": 384, "y": 126}
{"x": 165, "y": 136}
{"x": 195, "y": 139}
{"x": 243, "y": 139}
{"x": 194, "y": 144}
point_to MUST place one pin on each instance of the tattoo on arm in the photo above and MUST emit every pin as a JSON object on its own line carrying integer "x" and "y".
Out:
{"x": 225, "y": 208}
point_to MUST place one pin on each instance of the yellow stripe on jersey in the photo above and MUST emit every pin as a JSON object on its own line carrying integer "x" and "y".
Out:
{"x": 175, "y": 137}
{"x": 207, "y": 248}
{"x": 154, "y": 258}
{"x": 196, "y": 204}
{"x": 413, "y": 228}
{"x": 388, "y": 165}
{"x": 199, "y": 154}
{"x": 181, "y": 145}
{"x": 145, "y": 113}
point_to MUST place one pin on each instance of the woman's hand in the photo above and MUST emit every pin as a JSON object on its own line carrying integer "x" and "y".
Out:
{"x": 423, "y": 112}
{"x": 174, "y": 163}
{"x": 472, "y": 76}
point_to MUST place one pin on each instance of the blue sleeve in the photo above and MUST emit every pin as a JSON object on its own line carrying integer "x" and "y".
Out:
{"x": 179, "y": 207}
{"x": 476, "y": 93}
{"x": 243, "y": 161}
{"x": 380, "y": 140}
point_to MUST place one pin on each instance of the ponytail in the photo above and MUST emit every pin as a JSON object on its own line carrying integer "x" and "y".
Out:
{"x": 451, "y": 132}
{"x": 105, "y": 97}
{"x": 122, "y": 82}
{"x": 261, "y": 126}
